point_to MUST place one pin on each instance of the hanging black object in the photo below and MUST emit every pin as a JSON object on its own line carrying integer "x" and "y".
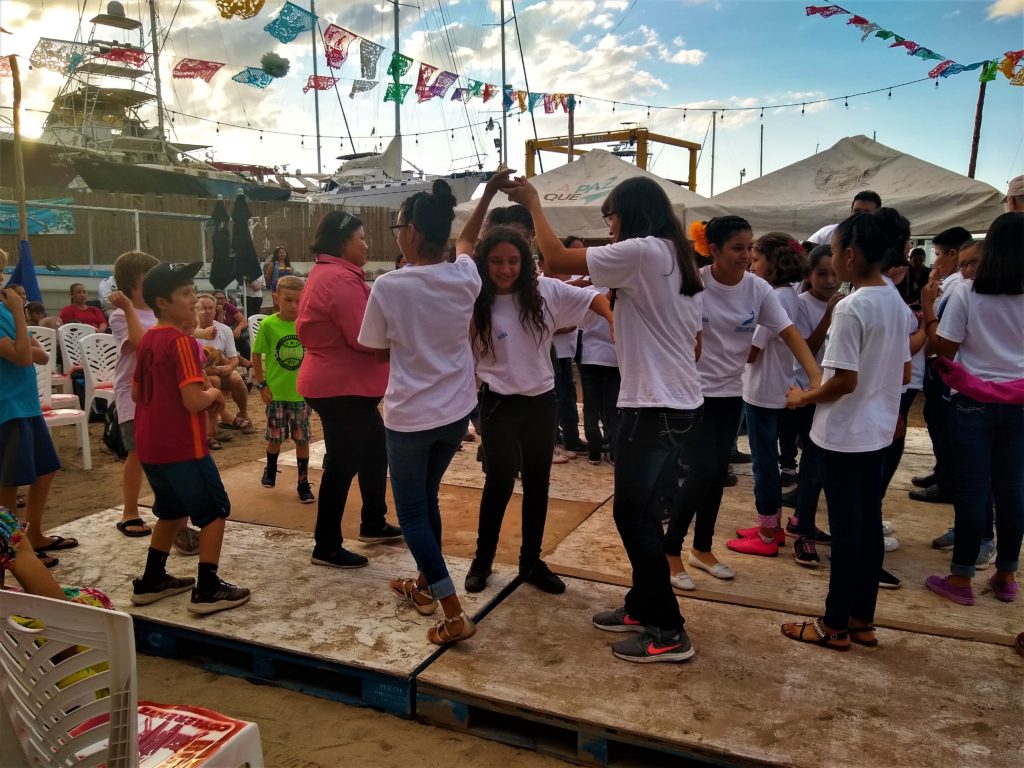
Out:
{"x": 222, "y": 271}
{"x": 247, "y": 263}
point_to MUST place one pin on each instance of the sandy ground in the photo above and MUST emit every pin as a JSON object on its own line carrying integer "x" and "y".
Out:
{"x": 298, "y": 731}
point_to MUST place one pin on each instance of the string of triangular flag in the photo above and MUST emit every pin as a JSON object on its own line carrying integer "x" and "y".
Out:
{"x": 1008, "y": 65}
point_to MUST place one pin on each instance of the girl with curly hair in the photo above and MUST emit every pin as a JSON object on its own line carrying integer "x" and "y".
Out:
{"x": 514, "y": 319}
{"x": 780, "y": 260}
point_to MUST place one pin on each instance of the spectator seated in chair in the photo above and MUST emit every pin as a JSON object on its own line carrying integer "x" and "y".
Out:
{"x": 78, "y": 311}
{"x": 225, "y": 375}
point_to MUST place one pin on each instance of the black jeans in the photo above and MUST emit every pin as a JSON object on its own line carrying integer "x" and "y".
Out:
{"x": 789, "y": 432}
{"x": 518, "y": 432}
{"x": 565, "y": 390}
{"x": 600, "y": 385}
{"x": 936, "y": 417}
{"x": 853, "y": 490}
{"x": 709, "y": 447}
{"x": 894, "y": 453}
{"x": 355, "y": 446}
{"x": 253, "y": 305}
{"x": 649, "y": 439}
{"x": 808, "y": 490}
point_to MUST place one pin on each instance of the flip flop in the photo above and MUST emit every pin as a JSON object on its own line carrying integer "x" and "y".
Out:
{"x": 124, "y": 525}
{"x": 58, "y": 542}
{"x": 48, "y": 561}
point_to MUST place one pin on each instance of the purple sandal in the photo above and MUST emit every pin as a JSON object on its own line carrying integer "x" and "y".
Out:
{"x": 940, "y": 585}
{"x": 1007, "y": 593}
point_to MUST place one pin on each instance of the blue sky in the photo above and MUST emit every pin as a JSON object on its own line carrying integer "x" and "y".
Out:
{"x": 695, "y": 53}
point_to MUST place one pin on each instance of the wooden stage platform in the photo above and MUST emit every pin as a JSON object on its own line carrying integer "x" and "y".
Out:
{"x": 941, "y": 690}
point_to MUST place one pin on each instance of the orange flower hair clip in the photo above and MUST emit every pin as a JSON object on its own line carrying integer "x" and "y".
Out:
{"x": 699, "y": 237}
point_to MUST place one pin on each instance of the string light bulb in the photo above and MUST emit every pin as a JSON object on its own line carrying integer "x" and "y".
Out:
{"x": 613, "y": 106}
{"x": 762, "y": 114}
{"x": 218, "y": 129}
{"x": 846, "y": 101}
{"x": 302, "y": 142}
{"x": 684, "y": 114}
{"x": 803, "y": 107}
{"x": 890, "y": 94}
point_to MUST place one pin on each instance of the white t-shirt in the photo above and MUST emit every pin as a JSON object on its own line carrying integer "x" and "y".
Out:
{"x": 124, "y": 370}
{"x": 106, "y": 287}
{"x": 868, "y": 335}
{"x": 519, "y": 361}
{"x": 767, "y": 380}
{"x": 422, "y": 314}
{"x": 224, "y": 340}
{"x": 731, "y": 313}
{"x": 824, "y": 235}
{"x": 989, "y": 330}
{"x": 809, "y": 311}
{"x": 597, "y": 345}
{"x": 656, "y": 327}
{"x": 565, "y": 344}
{"x": 949, "y": 285}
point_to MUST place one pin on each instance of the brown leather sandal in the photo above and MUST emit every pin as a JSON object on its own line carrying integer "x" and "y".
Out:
{"x": 419, "y": 597}
{"x": 867, "y": 643}
{"x": 824, "y": 639}
{"x": 442, "y": 634}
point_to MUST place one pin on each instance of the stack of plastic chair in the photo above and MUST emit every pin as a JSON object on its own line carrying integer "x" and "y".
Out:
{"x": 58, "y": 415}
{"x": 98, "y": 360}
{"x": 69, "y": 696}
{"x": 69, "y": 335}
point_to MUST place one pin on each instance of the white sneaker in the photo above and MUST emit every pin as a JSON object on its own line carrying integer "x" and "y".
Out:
{"x": 891, "y": 543}
{"x": 559, "y": 456}
{"x": 718, "y": 570}
{"x": 186, "y": 540}
{"x": 682, "y": 580}
{"x": 887, "y": 528}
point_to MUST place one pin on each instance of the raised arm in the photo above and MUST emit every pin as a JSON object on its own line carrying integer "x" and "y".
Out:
{"x": 19, "y": 349}
{"x": 466, "y": 241}
{"x": 557, "y": 258}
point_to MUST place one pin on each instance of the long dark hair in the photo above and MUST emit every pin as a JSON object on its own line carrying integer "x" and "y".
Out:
{"x": 644, "y": 210}
{"x": 1001, "y": 271}
{"x": 528, "y": 298}
{"x": 333, "y": 232}
{"x": 432, "y": 214}
{"x": 879, "y": 236}
{"x": 287, "y": 260}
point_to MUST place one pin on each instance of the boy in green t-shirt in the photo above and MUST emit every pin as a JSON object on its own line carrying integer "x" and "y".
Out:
{"x": 287, "y": 412}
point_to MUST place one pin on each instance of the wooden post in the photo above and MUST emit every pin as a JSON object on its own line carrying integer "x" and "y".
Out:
{"x": 19, "y": 164}
{"x": 977, "y": 131}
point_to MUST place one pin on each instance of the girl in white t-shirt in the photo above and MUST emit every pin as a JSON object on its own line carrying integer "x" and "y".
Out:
{"x": 418, "y": 318}
{"x": 866, "y": 362}
{"x": 514, "y": 319}
{"x": 657, "y": 326}
{"x": 600, "y": 381}
{"x": 813, "y": 319}
{"x": 981, "y": 327}
{"x": 735, "y": 302}
{"x": 780, "y": 261}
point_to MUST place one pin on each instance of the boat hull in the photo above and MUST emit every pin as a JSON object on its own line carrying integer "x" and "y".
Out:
{"x": 43, "y": 168}
{"x": 110, "y": 176}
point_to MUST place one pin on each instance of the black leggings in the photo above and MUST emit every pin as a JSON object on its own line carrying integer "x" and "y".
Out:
{"x": 708, "y": 450}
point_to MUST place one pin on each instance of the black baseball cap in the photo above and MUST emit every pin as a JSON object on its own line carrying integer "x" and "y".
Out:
{"x": 165, "y": 278}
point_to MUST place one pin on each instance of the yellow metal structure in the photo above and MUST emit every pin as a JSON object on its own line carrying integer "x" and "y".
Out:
{"x": 640, "y": 137}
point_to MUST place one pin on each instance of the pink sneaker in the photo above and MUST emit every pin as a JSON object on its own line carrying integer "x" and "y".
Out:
{"x": 1006, "y": 593}
{"x": 755, "y": 533}
{"x": 755, "y": 546}
{"x": 940, "y": 585}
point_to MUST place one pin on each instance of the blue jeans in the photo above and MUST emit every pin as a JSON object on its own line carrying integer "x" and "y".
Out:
{"x": 988, "y": 441}
{"x": 853, "y": 490}
{"x": 763, "y": 433}
{"x": 649, "y": 439}
{"x": 418, "y": 461}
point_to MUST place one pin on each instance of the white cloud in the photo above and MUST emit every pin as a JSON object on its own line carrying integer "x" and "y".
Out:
{"x": 1004, "y": 8}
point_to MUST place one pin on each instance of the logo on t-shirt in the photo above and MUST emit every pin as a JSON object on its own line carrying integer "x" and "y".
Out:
{"x": 289, "y": 352}
{"x": 747, "y": 326}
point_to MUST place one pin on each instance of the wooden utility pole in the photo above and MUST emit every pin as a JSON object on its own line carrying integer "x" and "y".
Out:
{"x": 19, "y": 164}
{"x": 977, "y": 131}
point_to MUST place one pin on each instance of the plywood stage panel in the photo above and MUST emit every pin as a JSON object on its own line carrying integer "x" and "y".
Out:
{"x": 749, "y": 693}
{"x": 344, "y": 616}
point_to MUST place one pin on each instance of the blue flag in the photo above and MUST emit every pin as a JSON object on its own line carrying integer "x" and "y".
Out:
{"x": 25, "y": 273}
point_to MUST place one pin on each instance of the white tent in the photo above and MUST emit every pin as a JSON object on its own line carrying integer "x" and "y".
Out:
{"x": 805, "y": 196}
{"x": 573, "y": 193}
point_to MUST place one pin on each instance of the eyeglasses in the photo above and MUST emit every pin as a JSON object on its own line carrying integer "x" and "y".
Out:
{"x": 963, "y": 266}
{"x": 396, "y": 228}
{"x": 608, "y": 217}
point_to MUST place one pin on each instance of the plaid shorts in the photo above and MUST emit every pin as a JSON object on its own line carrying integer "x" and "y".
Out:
{"x": 286, "y": 420}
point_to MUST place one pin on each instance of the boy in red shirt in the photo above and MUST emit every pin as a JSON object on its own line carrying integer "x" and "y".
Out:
{"x": 170, "y": 437}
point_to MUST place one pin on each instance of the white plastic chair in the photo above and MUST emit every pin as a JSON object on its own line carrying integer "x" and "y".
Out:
{"x": 69, "y": 335}
{"x": 96, "y": 718}
{"x": 56, "y": 416}
{"x": 255, "y": 321}
{"x": 99, "y": 358}
{"x": 47, "y": 338}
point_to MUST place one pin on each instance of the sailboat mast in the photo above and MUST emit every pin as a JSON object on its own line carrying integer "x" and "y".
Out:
{"x": 504, "y": 110}
{"x": 156, "y": 71}
{"x": 398, "y": 107}
{"x": 316, "y": 91}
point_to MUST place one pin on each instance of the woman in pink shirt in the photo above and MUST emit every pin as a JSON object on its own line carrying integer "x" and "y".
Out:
{"x": 80, "y": 312}
{"x": 343, "y": 382}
